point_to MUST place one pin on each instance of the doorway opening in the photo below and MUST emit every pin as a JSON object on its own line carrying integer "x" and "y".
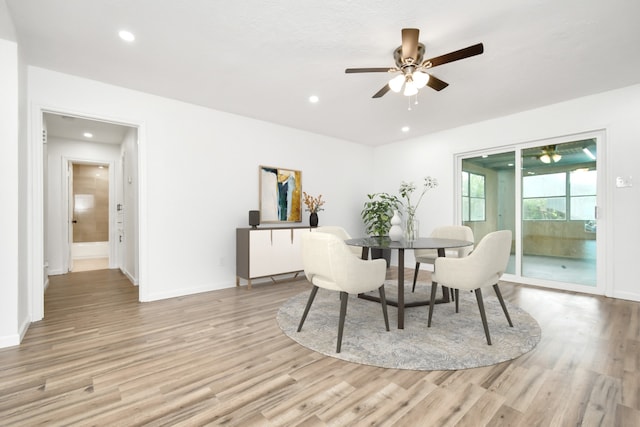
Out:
{"x": 85, "y": 195}
{"x": 89, "y": 219}
{"x": 547, "y": 193}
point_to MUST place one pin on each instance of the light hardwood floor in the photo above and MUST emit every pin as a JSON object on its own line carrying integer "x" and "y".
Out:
{"x": 219, "y": 358}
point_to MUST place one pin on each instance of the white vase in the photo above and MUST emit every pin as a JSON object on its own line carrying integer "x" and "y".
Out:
{"x": 395, "y": 232}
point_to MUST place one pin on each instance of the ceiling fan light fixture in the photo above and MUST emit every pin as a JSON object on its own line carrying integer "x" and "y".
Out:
{"x": 126, "y": 36}
{"x": 545, "y": 158}
{"x": 556, "y": 158}
{"x": 420, "y": 79}
{"x": 395, "y": 84}
{"x": 410, "y": 88}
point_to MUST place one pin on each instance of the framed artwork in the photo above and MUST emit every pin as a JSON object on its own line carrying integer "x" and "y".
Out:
{"x": 280, "y": 195}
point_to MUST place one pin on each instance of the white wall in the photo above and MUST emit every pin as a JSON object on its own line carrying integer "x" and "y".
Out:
{"x": 9, "y": 182}
{"x": 199, "y": 176}
{"x": 617, "y": 112}
{"x": 56, "y": 232}
{"x": 7, "y": 29}
{"x": 129, "y": 200}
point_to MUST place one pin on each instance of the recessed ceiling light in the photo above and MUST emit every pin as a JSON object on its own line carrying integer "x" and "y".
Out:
{"x": 88, "y": 135}
{"x": 405, "y": 128}
{"x": 126, "y": 35}
{"x": 313, "y": 99}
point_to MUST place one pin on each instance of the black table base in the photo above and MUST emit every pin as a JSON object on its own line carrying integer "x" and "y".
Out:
{"x": 423, "y": 243}
{"x": 445, "y": 299}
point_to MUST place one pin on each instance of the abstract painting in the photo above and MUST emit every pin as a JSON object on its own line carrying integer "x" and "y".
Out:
{"x": 280, "y": 195}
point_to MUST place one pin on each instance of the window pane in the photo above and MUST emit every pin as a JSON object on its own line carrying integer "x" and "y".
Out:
{"x": 477, "y": 210}
{"x": 465, "y": 209}
{"x": 544, "y": 185}
{"x": 583, "y": 183}
{"x": 583, "y": 207}
{"x": 465, "y": 184}
{"x": 544, "y": 208}
{"x": 476, "y": 185}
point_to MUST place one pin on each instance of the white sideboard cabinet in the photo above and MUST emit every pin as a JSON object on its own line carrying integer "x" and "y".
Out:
{"x": 268, "y": 252}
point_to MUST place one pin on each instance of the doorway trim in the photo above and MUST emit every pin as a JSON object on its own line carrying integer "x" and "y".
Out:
{"x": 36, "y": 278}
{"x": 67, "y": 162}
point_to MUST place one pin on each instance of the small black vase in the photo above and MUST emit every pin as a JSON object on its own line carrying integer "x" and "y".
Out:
{"x": 313, "y": 219}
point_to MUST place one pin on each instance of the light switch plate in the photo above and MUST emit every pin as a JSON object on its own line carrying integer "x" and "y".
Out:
{"x": 622, "y": 181}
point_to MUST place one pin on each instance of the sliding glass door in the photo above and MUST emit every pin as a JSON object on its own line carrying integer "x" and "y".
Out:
{"x": 489, "y": 194}
{"x": 559, "y": 193}
{"x": 547, "y": 195}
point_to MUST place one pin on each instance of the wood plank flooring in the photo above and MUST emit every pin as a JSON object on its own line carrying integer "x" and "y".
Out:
{"x": 219, "y": 358}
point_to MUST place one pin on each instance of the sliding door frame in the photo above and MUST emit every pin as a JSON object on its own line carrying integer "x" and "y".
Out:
{"x": 603, "y": 276}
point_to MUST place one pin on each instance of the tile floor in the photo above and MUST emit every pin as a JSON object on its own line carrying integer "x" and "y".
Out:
{"x": 88, "y": 264}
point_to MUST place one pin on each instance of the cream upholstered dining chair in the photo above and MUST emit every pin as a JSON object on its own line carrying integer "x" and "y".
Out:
{"x": 483, "y": 267}
{"x": 342, "y": 234}
{"x": 457, "y": 232}
{"x": 328, "y": 263}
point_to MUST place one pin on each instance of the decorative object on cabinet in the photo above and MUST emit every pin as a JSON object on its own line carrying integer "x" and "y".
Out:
{"x": 280, "y": 194}
{"x": 313, "y": 219}
{"x": 314, "y": 204}
{"x": 268, "y": 252}
{"x": 254, "y": 219}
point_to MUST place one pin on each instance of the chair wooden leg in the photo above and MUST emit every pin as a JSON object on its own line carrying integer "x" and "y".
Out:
{"x": 432, "y": 301}
{"x": 383, "y": 300}
{"x": 314, "y": 291}
{"x": 483, "y": 315}
{"x": 457, "y": 298}
{"x": 415, "y": 276}
{"x": 504, "y": 307}
{"x": 344, "y": 298}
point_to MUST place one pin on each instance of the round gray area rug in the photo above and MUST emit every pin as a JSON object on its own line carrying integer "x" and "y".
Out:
{"x": 454, "y": 341}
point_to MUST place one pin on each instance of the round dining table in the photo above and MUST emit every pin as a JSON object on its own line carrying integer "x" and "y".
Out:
{"x": 385, "y": 242}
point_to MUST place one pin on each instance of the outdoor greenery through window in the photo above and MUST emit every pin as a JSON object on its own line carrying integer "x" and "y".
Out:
{"x": 559, "y": 196}
{"x": 473, "y": 197}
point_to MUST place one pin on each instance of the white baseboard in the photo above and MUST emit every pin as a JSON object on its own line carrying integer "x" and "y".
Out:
{"x": 9, "y": 341}
{"x": 190, "y": 291}
{"x": 631, "y": 296}
{"x": 16, "y": 339}
{"x": 56, "y": 272}
{"x": 22, "y": 331}
{"x": 129, "y": 276}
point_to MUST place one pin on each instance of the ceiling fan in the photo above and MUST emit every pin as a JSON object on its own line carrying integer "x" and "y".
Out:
{"x": 550, "y": 153}
{"x": 409, "y": 62}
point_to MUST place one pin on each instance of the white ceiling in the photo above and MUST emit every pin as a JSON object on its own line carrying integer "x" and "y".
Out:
{"x": 263, "y": 59}
{"x": 74, "y": 128}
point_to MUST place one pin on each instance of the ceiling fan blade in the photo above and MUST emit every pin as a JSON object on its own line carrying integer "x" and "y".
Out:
{"x": 368, "y": 70}
{"x": 436, "y": 83}
{"x": 410, "y": 43}
{"x": 382, "y": 92}
{"x": 476, "y": 49}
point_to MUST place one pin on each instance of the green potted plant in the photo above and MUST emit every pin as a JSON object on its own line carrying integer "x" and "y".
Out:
{"x": 376, "y": 214}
